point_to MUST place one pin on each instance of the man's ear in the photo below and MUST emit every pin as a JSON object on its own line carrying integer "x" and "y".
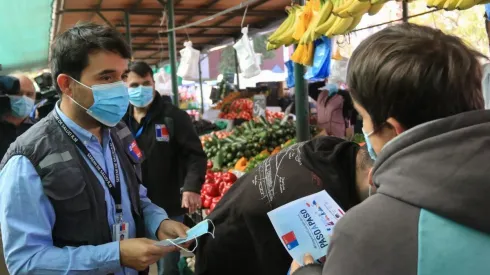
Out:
{"x": 64, "y": 82}
{"x": 397, "y": 126}
{"x": 370, "y": 177}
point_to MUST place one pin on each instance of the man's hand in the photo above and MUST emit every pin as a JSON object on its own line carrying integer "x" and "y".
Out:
{"x": 191, "y": 201}
{"x": 140, "y": 253}
{"x": 171, "y": 229}
{"x": 307, "y": 260}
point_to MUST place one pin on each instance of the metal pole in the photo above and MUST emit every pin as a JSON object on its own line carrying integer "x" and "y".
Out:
{"x": 128, "y": 28}
{"x": 172, "y": 51}
{"x": 200, "y": 87}
{"x": 237, "y": 71}
{"x": 301, "y": 103}
{"x": 405, "y": 11}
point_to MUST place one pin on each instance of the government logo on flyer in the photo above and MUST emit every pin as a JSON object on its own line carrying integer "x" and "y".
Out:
{"x": 290, "y": 240}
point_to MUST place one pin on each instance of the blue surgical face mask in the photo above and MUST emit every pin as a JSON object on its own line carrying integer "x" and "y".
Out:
{"x": 111, "y": 102}
{"x": 194, "y": 233}
{"x": 140, "y": 96}
{"x": 371, "y": 151}
{"x": 21, "y": 106}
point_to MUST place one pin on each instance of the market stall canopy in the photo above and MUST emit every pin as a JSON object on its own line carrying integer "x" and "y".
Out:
{"x": 24, "y": 35}
{"x": 148, "y": 33}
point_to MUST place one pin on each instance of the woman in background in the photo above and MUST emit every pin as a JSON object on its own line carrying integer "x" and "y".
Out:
{"x": 336, "y": 113}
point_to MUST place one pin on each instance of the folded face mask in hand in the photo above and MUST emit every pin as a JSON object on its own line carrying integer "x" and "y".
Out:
{"x": 197, "y": 231}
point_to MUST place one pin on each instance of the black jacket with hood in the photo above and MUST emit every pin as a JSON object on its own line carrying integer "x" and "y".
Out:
{"x": 175, "y": 161}
{"x": 245, "y": 241}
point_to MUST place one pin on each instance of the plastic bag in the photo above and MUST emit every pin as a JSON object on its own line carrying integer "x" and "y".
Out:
{"x": 338, "y": 71}
{"x": 247, "y": 59}
{"x": 189, "y": 63}
{"x": 321, "y": 60}
{"x": 290, "y": 79}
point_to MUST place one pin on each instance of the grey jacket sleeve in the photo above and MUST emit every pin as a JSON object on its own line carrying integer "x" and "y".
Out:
{"x": 311, "y": 269}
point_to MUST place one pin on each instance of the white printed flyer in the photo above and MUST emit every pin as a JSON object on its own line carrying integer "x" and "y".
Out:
{"x": 306, "y": 224}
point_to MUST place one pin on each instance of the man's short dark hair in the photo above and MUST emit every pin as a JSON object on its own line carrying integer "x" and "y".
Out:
{"x": 141, "y": 68}
{"x": 364, "y": 160}
{"x": 70, "y": 49}
{"x": 414, "y": 74}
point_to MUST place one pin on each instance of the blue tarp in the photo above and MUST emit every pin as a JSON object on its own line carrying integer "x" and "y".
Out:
{"x": 24, "y": 34}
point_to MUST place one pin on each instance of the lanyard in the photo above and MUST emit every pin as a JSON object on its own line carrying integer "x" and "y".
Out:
{"x": 114, "y": 189}
{"x": 139, "y": 132}
{"x": 140, "y": 129}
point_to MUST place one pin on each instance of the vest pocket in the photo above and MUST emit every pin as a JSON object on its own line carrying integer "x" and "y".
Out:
{"x": 66, "y": 189}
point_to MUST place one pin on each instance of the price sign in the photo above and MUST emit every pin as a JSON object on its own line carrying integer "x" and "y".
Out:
{"x": 260, "y": 105}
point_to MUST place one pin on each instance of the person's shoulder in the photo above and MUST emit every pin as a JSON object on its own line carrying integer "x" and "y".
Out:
{"x": 382, "y": 224}
{"x": 16, "y": 167}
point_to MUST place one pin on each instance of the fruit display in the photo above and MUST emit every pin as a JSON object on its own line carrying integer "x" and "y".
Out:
{"x": 255, "y": 161}
{"x": 271, "y": 116}
{"x": 248, "y": 140}
{"x": 238, "y": 109}
{"x": 218, "y": 135}
{"x": 215, "y": 186}
{"x": 227, "y": 100}
{"x": 305, "y": 24}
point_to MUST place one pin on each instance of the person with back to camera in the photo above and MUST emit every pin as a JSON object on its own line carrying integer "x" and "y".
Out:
{"x": 243, "y": 231}
{"x": 419, "y": 93}
{"x": 71, "y": 185}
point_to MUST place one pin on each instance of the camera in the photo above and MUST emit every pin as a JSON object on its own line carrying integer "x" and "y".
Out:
{"x": 8, "y": 86}
{"x": 47, "y": 96}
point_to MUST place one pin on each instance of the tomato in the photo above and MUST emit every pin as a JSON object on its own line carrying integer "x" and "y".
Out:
{"x": 213, "y": 205}
{"x": 224, "y": 186}
{"x": 209, "y": 176}
{"x": 210, "y": 190}
{"x": 229, "y": 177}
{"x": 207, "y": 202}
{"x": 225, "y": 189}
{"x": 216, "y": 200}
{"x": 217, "y": 176}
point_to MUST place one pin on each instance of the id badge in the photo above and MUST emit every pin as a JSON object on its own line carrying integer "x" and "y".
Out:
{"x": 120, "y": 231}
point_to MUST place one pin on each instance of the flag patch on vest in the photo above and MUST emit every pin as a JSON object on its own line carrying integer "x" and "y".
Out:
{"x": 161, "y": 133}
{"x": 135, "y": 150}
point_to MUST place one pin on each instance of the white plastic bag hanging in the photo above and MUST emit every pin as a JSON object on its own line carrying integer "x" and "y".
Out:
{"x": 246, "y": 56}
{"x": 189, "y": 62}
{"x": 338, "y": 71}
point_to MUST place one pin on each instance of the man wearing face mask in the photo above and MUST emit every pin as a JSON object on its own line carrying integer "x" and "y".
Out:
{"x": 16, "y": 121}
{"x": 70, "y": 186}
{"x": 175, "y": 163}
{"x": 419, "y": 93}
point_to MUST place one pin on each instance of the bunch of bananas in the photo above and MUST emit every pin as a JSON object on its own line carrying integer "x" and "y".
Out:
{"x": 284, "y": 33}
{"x": 455, "y": 4}
{"x": 346, "y": 15}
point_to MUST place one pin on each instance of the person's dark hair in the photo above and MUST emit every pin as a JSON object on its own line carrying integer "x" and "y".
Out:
{"x": 364, "y": 160}
{"x": 141, "y": 68}
{"x": 414, "y": 74}
{"x": 70, "y": 49}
